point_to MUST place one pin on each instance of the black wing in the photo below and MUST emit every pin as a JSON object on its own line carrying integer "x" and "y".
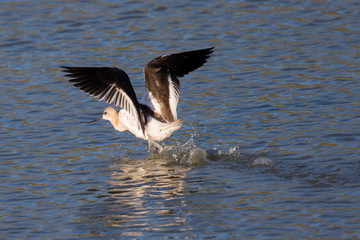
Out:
{"x": 162, "y": 85}
{"x": 109, "y": 84}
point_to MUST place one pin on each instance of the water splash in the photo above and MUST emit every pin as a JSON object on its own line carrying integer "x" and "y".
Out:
{"x": 192, "y": 155}
{"x": 234, "y": 157}
{"x": 262, "y": 161}
{"x": 185, "y": 154}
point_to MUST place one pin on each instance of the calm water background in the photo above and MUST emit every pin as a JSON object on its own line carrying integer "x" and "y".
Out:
{"x": 283, "y": 84}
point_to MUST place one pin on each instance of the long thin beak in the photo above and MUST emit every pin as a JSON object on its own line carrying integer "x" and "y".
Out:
{"x": 94, "y": 120}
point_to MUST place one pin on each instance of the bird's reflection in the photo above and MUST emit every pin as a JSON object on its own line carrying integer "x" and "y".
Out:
{"x": 147, "y": 192}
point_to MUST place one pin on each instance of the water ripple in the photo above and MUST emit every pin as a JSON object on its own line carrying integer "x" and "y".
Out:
{"x": 269, "y": 146}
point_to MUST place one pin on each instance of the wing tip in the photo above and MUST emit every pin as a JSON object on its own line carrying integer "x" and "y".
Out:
{"x": 208, "y": 51}
{"x": 65, "y": 69}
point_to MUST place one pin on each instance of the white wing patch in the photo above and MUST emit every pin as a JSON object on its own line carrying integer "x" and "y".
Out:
{"x": 174, "y": 96}
{"x": 149, "y": 100}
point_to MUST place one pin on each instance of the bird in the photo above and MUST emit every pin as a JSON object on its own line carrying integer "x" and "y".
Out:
{"x": 154, "y": 117}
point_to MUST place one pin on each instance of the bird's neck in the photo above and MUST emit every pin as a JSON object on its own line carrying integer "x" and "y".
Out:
{"x": 118, "y": 125}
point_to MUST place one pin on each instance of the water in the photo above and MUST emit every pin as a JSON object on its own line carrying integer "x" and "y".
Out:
{"x": 271, "y": 127}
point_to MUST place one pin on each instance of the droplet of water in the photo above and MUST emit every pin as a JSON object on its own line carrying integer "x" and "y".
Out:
{"x": 232, "y": 150}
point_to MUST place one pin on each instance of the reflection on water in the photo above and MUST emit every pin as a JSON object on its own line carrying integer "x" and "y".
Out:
{"x": 270, "y": 143}
{"x": 135, "y": 187}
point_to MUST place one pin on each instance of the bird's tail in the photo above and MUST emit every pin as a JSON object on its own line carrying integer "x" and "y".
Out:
{"x": 161, "y": 131}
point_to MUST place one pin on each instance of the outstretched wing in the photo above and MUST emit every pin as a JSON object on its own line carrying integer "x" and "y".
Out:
{"x": 109, "y": 84}
{"x": 162, "y": 85}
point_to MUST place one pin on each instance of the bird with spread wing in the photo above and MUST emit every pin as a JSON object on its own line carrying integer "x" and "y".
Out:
{"x": 154, "y": 118}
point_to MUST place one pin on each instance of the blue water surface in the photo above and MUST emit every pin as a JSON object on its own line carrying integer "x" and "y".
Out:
{"x": 275, "y": 110}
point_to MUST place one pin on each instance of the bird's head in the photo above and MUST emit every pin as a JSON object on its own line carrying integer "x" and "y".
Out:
{"x": 110, "y": 114}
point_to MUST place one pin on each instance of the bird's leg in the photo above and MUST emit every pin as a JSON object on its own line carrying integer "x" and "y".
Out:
{"x": 157, "y": 145}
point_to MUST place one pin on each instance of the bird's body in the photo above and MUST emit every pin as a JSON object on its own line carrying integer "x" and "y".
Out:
{"x": 154, "y": 129}
{"x": 154, "y": 118}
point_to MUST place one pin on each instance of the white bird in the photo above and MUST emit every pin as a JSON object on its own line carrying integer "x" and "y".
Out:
{"x": 154, "y": 118}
